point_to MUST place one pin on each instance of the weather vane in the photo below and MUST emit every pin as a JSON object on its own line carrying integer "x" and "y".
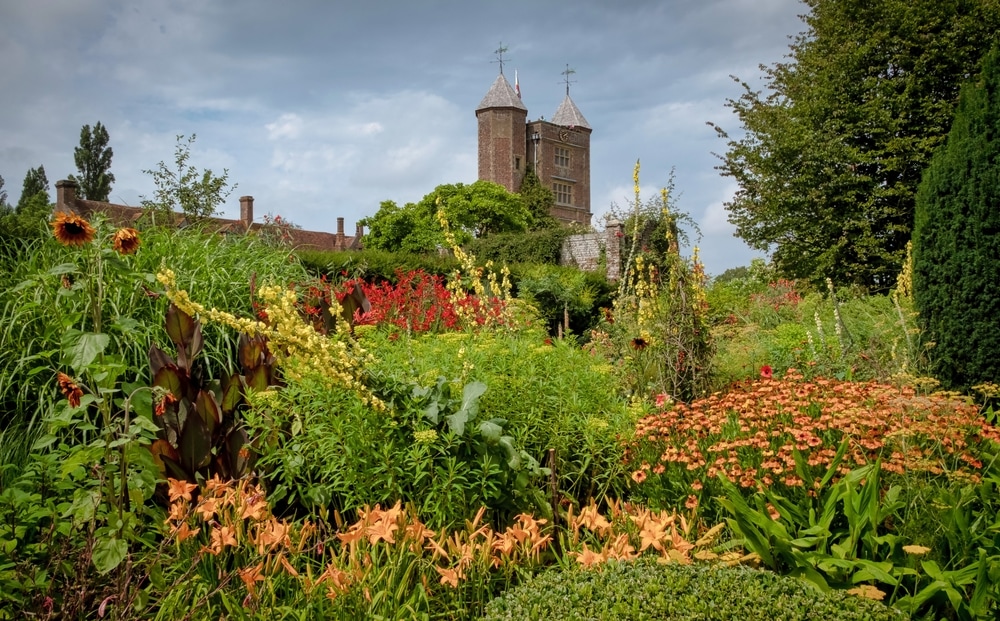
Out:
{"x": 500, "y": 51}
{"x": 566, "y": 79}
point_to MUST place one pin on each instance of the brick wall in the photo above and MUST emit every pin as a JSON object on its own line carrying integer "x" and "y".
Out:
{"x": 587, "y": 251}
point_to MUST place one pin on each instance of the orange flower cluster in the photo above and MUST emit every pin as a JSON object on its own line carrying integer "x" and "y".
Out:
{"x": 596, "y": 539}
{"x": 69, "y": 389}
{"x": 772, "y": 432}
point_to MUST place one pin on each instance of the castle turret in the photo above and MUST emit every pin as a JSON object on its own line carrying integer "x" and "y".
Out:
{"x": 502, "y": 119}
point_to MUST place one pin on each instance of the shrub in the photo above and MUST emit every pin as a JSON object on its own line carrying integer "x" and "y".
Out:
{"x": 648, "y": 590}
{"x": 568, "y": 299}
{"x": 541, "y": 246}
{"x": 374, "y": 265}
{"x": 956, "y": 277}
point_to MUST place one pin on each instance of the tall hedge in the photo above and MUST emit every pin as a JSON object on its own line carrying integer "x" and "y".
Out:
{"x": 956, "y": 239}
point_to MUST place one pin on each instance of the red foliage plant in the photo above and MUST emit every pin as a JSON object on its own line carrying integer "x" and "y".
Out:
{"x": 787, "y": 431}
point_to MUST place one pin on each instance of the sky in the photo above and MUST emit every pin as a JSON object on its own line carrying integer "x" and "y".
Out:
{"x": 325, "y": 108}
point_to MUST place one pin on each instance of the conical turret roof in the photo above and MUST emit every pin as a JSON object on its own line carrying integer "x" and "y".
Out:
{"x": 501, "y": 95}
{"x": 568, "y": 115}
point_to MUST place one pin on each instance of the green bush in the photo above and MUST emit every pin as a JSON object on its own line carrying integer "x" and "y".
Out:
{"x": 374, "y": 265}
{"x": 541, "y": 246}
{"x": 564, "y": 296}
{"x": 328, "y": 450}
{"x": 647, "y": 590}
{"x": 956, "y": 239}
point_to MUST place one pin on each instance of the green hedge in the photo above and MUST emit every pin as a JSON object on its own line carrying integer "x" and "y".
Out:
{"x": 542, "y": 246}
{"x": 374, "y": 265}
{"x": 647, "y": 590}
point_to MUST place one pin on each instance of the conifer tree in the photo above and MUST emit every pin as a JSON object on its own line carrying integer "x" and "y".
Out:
{"x": 93, "y": 160}
{"x": 35, "y": 182}
{"x": 956, "y": 239}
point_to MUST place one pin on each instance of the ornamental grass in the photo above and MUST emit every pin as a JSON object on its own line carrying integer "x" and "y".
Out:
{"x": 785, "y": 433}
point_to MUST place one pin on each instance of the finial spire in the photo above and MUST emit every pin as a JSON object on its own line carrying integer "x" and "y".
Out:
{"x": 568, "y": 72}
{"x": 500, "y": 51}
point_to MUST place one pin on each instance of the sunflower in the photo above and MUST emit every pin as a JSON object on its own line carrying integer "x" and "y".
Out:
{"x": 69, "y": 389}
{"x": 126, "y": 241}
{"x": 72, "y": 229}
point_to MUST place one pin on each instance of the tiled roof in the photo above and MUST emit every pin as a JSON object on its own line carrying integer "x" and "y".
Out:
{"x": 501, "y": 95}
{"x": 568, "y": 115}
{"x": 298, "y": 238}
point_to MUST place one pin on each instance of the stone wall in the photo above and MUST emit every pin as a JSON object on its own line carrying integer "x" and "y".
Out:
{"x": 589, "y": 250}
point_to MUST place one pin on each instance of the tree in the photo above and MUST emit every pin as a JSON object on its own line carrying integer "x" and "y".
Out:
{"x": 93, "y": 160}
{"x": 956, "y": 239}
{"x": 35, "y": 182}
{"x": 477, "y": 210}
{"x": 196, "y": 195}
{"x": 539, "y": 200}
{"x": 833, "y": 152}
{"x": 27, "y": 219}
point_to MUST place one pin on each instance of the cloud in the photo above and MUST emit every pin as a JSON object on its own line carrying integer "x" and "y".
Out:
{"x": 288, "y": 125}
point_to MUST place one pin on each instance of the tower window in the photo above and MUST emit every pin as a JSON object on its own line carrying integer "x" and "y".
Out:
{"x": 562, "y": 157}
{"x": 517, "y": 162}
{"x": 563, "y": 192}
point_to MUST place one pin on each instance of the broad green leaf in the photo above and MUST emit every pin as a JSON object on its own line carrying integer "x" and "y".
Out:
{"x": 108, "y": 554}
{"x": 456, "y": 422}
{"x": 491, "y": 430}
{"x": 80, "y": 349}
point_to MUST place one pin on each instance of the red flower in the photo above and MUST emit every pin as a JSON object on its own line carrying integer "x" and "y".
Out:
{"x": 766, "y": 372}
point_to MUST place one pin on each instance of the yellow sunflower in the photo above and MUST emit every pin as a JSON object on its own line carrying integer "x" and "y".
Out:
{"x": 126, "y": 241}
{"x": 72, "y": 229}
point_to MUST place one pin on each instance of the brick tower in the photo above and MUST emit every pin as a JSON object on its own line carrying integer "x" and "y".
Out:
{"x": 557, "y": 150}
{"x": 502, "y": 119}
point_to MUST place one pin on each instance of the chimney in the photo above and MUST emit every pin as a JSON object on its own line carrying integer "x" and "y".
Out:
{"x": 359, "y": 231}
{"x": 246, "y": 210}
{"x": 66, "y": 195}
{"x": 340, "y": 234}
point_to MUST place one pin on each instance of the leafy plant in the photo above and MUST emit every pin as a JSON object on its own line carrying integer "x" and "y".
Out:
{"x": 199, "y": 434}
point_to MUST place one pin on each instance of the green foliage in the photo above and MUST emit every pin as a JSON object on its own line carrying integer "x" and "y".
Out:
{"x": 647, "y": 590}
{"x": 93, "y": 161}
{"x": 535, "y": 246}
{"x": 845, "y": 536}
{"x": 448, "y": 446}
{"x": 834, "y": 149}
{"x": 567, "y": 299}
{"x": 956, "y": 240}
{"x": 658, "y": 334}
{"x": 47, "y": 281}
{"x": 199, "y": 434}
{"x": 27, "y": 221}
{"x": 374, "y": 265}
{"x": 35, "y": 182}
{"x": 476, "y": 210}
{"x": 539, "y": 201}
{"x": 196, "y": 195}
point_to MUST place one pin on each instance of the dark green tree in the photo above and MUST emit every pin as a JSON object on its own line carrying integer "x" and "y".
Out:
{"x": 475, "y": 210}
{"x": 539, "y": 200}
{"x": 834, "y": 148}
{"x": 195, "y": 194}
{"x": 93, "y": 160}
{"x": 956, "y": 239}
{"x": 28, "y": 218}
{"x": 35, "y": 182}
